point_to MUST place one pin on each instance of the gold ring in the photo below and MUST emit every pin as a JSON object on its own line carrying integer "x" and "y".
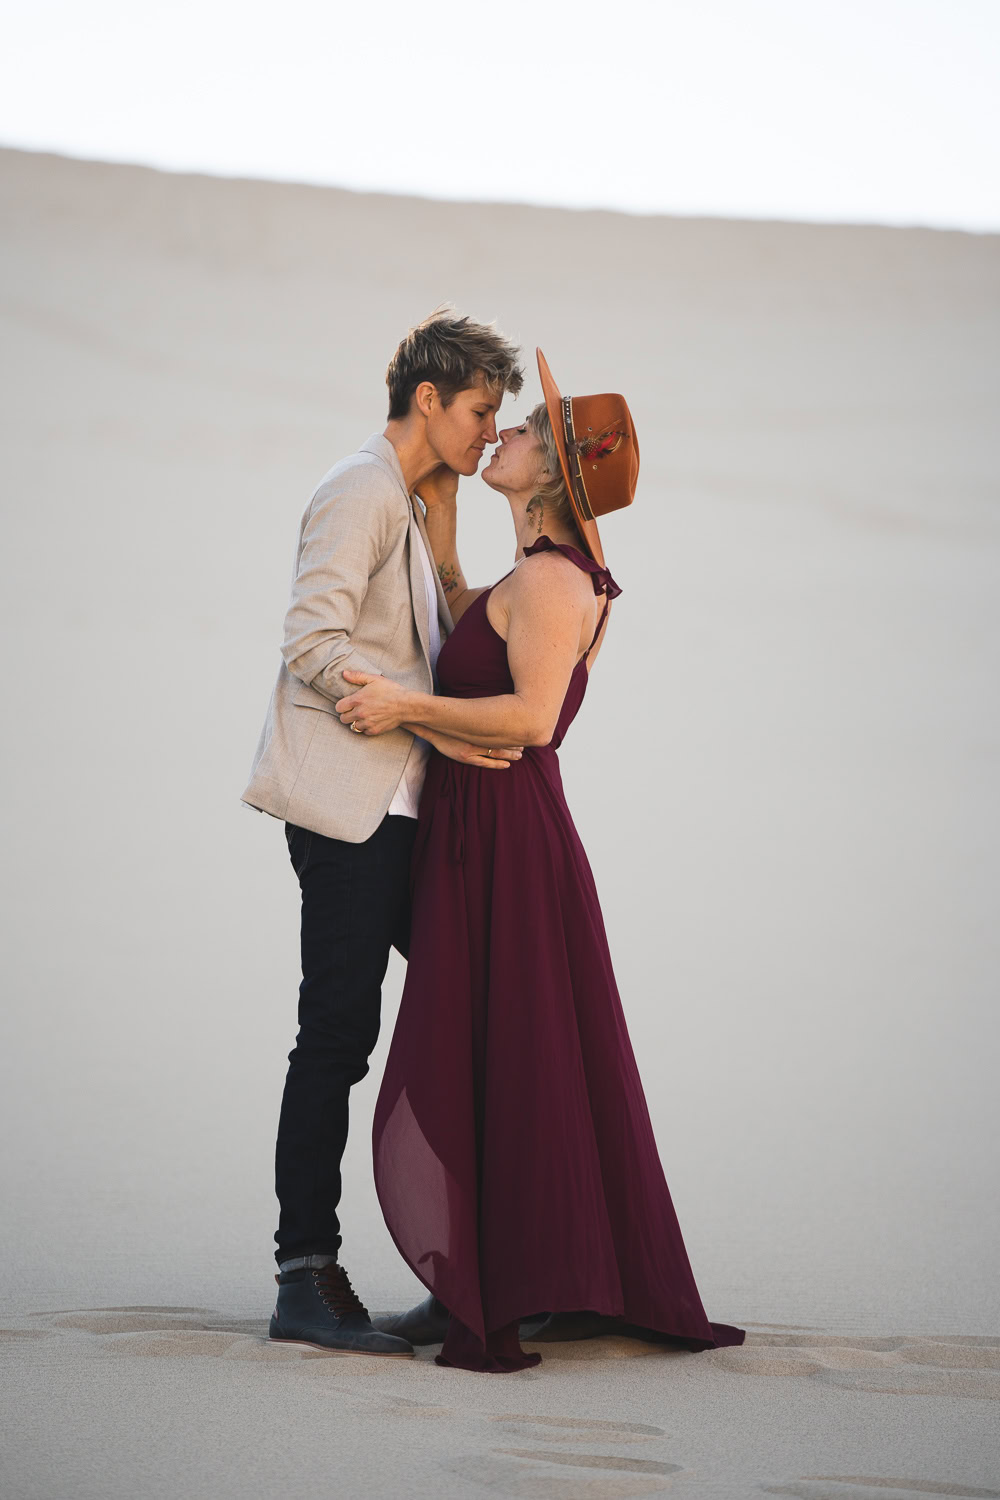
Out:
{"x": 490, "y": 750}
{"x": 356, "y": 726}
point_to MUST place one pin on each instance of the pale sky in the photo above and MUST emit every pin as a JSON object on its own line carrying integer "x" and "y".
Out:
{"x": 871, "y": 111}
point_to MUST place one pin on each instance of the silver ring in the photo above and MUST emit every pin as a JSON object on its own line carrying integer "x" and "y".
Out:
{"x": 490, "y": 751}
{"x": 356, "y": 726}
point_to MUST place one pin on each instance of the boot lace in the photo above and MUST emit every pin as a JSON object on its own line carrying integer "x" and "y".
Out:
{"x": 335, "y": 1288}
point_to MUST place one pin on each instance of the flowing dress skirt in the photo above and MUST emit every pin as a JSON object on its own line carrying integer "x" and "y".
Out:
{"x": 515, "y": 1161}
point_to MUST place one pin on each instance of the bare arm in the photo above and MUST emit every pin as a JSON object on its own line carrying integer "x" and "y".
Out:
{"x": 549, "y": 602}
{"x": 439, "y": 493}
{"x": 464, "y": 751}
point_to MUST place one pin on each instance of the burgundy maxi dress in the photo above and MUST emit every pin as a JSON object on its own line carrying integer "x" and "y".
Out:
{"x": 514, "y": 1158}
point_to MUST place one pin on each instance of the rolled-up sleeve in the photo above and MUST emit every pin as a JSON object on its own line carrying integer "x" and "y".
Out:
{"x": 352, "y": 520}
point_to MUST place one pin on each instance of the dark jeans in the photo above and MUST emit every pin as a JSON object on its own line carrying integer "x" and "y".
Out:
{"x": 355, "y": 907}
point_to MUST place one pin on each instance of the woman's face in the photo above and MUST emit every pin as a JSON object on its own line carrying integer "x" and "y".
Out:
{"x": 459, "y": 433}
{"x": 517, "y": 464}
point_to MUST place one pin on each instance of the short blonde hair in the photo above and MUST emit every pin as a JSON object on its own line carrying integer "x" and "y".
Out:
{"x": 553, "y": 493}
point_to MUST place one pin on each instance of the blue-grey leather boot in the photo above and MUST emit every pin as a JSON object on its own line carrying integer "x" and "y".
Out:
{"x": 317, "y": 1305}
{"x": 427, "y": 1323}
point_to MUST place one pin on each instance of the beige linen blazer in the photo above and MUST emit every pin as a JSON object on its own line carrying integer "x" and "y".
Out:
{"x": 359, "y": 601}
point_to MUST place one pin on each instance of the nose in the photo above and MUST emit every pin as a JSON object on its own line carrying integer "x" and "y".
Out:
{"x": 505, "y": 433}
{"x": 491, "y": 431}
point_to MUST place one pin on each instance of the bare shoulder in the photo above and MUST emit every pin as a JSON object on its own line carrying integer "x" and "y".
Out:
{"x": 545, "y": 591}
{"x": 549, "y": 578}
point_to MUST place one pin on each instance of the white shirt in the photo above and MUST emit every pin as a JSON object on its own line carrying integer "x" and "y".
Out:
{"x": 406, "y": 798}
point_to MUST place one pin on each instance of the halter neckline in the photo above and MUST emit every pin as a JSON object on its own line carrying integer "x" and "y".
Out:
{"x": 603, "y": 581}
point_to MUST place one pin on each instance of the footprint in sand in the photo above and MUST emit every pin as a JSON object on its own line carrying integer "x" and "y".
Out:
{"x": 534, "y": 1474}
{"x": 181, "y": 1332}
{"x": 166, "y": 1332}
{"x": 865, "y": 1487}
{"x": 965, "y": 1365}
{"x": 107, "y": 1320}
{"x": 184, "y": 1344}
{"x": 543, "y": 1467}
{"x": 136, "y": 1307}
{"x": 381, "y": 1404}
{"x": 595, "y": 1461}
{"x": 784, "y": 1327}
{"x": 575, "y": 1430}
{"x": 949, "y": 1365}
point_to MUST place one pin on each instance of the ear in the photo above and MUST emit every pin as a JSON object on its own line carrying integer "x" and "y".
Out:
{"x": 425, "y": 396}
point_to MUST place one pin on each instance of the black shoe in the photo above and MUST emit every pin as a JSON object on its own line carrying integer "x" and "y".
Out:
{"x": 425, "y": 1324}
{"x": 318, "y": 1306}
{"x": 568, "y": 1327}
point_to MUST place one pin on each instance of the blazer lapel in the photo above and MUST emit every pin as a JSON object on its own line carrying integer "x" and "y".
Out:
{"x": 418, "y": 591}
{"x": 444, "y": 613}
{"x": 386, "y": 455}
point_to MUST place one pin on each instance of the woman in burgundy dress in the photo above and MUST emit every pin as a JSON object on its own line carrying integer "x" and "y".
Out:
{"x": 514, "y": 1157}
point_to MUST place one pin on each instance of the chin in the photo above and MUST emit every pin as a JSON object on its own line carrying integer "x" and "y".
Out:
{"x": 470, "y": 465}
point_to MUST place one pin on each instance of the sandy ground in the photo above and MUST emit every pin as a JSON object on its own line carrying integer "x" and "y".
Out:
{"x": 785, "y": 775}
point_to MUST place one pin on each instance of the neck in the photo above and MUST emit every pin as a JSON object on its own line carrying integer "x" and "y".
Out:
{"x": 408, "y": 435}
{"x": 533, "y": 519}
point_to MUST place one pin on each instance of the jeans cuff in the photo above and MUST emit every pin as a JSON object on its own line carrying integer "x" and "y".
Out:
{"x": 300, "y": 1261}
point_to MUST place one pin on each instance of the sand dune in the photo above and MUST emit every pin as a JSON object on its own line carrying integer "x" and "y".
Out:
{"x": 525, "y": 1451}
{"x": 947, "y": 1365}
{"x": 785, "y": 776}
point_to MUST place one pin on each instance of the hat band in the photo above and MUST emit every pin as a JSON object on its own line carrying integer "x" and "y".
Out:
{"x": 573, "y": 461}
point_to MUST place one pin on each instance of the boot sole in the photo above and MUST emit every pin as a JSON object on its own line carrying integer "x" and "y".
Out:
{"x": 418, "y": 1341}
{"x": 325, "y": 1349}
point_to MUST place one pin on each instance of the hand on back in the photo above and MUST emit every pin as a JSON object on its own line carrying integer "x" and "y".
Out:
{"x": 471, "y": 755}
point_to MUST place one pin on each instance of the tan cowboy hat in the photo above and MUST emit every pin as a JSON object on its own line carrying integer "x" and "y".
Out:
{"x": 598, "y": 452}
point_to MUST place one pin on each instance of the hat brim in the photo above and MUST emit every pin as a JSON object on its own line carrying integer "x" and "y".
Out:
{"x": 554, "y": 406}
